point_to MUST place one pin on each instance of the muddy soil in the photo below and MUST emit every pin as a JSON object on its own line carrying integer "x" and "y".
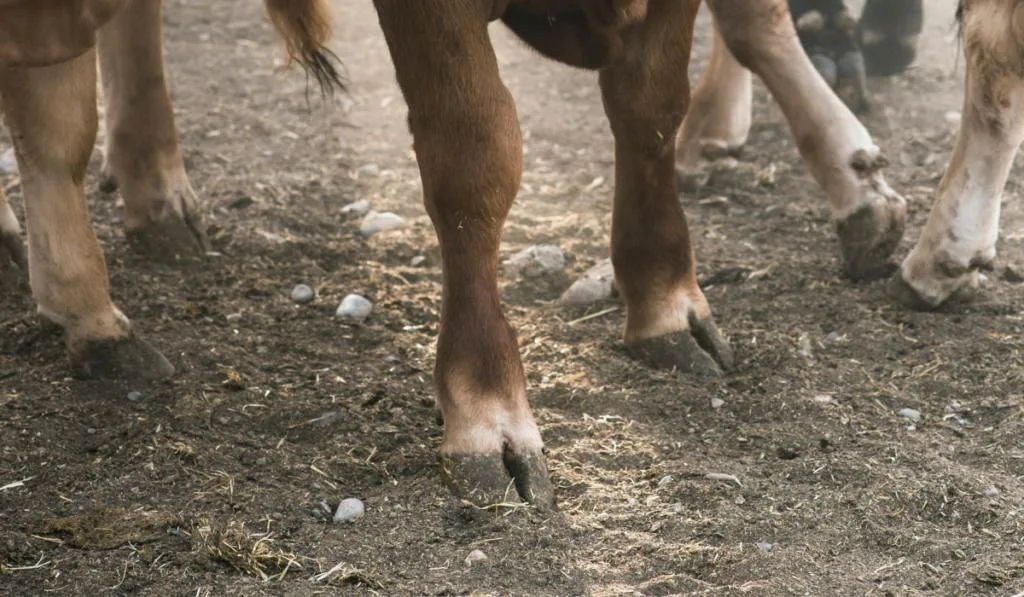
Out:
{"x": 207, "y": 484}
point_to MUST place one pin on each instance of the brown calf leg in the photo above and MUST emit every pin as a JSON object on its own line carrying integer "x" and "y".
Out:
{"x": 668, "y": 321}
{"x": 11, "y": 249}
{"x": 467, "y": 141}
{"x": 838, "y": 151}
{"x": 51, "y": 114}
{"x": 718, "y": 120}
{"x": 142, "y": 156}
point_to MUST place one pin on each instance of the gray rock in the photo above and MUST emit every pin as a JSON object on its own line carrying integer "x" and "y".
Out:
{"x": 134, "y": 396}
{"x": 354, "y": 307}
{"x": 765, "y": 546}
{"x": 357, "y": 208}
{"x": 302, "y": 294}
{"x": 475, "y": 556}
{"x": 597, "y": 284}
{"x": 376, "y": 222}
{"x": 349, "y": 510}
{"x": 536, "y": 261}
{"x": 717, "y": 403}
{"x": 910, "y": 414}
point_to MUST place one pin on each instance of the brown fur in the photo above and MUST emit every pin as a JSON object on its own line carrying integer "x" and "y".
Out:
{"x": 34, "y": 33}
{"x": 305, "y": 27}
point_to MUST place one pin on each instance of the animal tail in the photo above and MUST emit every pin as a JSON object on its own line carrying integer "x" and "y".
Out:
{"x": 305, "y": 27}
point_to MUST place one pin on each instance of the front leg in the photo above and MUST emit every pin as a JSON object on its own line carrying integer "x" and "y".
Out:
{"x": 469, "y": 149}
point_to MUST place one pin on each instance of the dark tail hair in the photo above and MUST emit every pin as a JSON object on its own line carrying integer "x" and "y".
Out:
{"x": 305, "y": 27}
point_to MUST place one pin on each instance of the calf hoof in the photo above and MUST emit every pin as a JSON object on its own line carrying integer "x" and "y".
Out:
{"x": 701, "y": 350}
{"x": 963, "y": 290}
{"x": 172, "y": 239}
{"x": 493, "y": 480}
{"x": 130, "y": 358}
{"x": 869, "y": 235}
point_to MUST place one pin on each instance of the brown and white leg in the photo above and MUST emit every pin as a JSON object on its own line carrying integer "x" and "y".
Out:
{"x": 718, "y": 120}
{"x": 141, "y": 155}
{"x": 468, "y": 144}
{"x": 960, "y": 235}
{"x": 668, "y": 320}
{"x": 11, "y": 248}
{"x": 838, "y": 151}
{"x": 51, "y": 114}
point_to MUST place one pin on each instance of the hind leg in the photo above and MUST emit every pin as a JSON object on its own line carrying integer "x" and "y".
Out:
{"x": 469, "y": 148}
{"x": 838, "y": 151}
{"x": 668, "y": 320}
{"x": 142, "y": 156}
{"x": 51, "y": 114}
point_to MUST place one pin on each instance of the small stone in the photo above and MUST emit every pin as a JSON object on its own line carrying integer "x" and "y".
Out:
{"x": 952, "y": 117}
{"x": 357, "y": 208}
{"x": 536, "y": 261}
{"x": 824, "y": 399}
{"x": 765, "y": 546}
{"x": 8, "y": 163}
{"x": 349, "y": 510}
{"x": 302, "y": 294}
{"x": 370, "y": 169}
{"x": 376, "y": 222}
{"x": 664, "y": 480}
{"x": 354, "y": 307}
{"x": 1013, "y": 275}
{"x": 597, "y": 284}
{"x": 717, "y": 403}
{"x": 991, "y": 491}
{"x": 475, "y": 556}
{"x": 134, "y": 396}
{"x": 418, "y": 261}
{"x": 910, "y": 414}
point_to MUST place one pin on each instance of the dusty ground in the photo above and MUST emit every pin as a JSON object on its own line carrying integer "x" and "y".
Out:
{"x": 159, "y": 493}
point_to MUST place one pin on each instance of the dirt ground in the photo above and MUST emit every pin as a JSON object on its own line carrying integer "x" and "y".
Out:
{"x": 206, "y": 485}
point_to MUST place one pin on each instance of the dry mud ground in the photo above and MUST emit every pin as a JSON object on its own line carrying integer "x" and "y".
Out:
{"x": 197, "y": 487}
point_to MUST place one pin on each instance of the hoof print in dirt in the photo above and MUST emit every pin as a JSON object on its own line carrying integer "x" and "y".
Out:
{"x": 172, "y": 240}
{"x": 701, "y": 351}
{"x": 130, "y": 358}
{"x": 491, "y": 481}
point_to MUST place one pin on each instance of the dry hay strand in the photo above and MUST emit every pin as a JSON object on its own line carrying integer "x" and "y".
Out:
{"x": 109, "y": 528}
{"x": 343, "y": 574}
{"x": 252, "y": 553}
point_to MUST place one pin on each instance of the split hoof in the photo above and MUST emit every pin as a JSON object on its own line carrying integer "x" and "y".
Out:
{"x": 130, "y": 359}
{"x": 868, "y": 236}
{"x": 902, "y": 293}
{"x": 172, "y": 239}
{"x": 702, "y": 350}
{"x": 488, "y": 480}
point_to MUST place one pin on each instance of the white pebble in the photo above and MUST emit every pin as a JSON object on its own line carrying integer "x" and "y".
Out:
{"x": 354, "y": 307}
{"x": 302, "y": 293}
{"x": 765, "y": 546}
{"x": 717, "y": 403}
{"x": 376, "y": 221}
{"x": 418, "y": 261}
{"x": 349, "y": 510}
{"x": 910, "y": 414}
{"x": 597, "y": 284}
{"x": 952, "y": 117}
{"x": 356, "y": 208}
{"x": 664, "y": 480}
{"x": 8, "y": 163}
{"x": 475, "y": 556}
{"x": 536, "y": 261}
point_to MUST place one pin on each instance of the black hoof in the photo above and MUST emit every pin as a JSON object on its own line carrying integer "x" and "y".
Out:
{"x": 496, "y": 480}
{"x": 130, "y": 359}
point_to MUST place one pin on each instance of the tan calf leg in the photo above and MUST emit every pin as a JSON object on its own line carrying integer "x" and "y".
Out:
{"x": 468, "y": 145}
{"x": 960, "y": 235}
{"x": 838, "y": 151}
{"x": 11, "y": 249}
{"x": 142, "y": 156}
{"x": 718, "y": 121}
{"x": 668, "y": 321}
{"x": 51, "y": 114}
